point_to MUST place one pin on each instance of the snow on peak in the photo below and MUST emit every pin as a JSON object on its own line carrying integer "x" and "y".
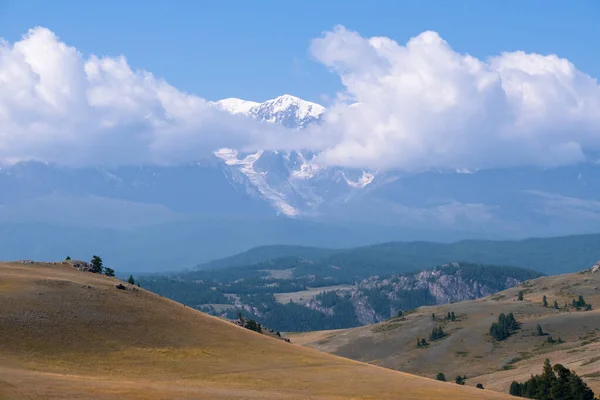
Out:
{"x": 246, "y": 166}
{"x": 363, "y": 181}
{"x": 303, "y": 108}
{"x": 286, "y": 110}
{"x": 236, "y": 106}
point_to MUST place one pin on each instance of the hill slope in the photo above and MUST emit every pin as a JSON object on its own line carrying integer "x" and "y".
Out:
{"x": 468, "y": 348}
{"x": 548, "y": 255}
{"x": 66, "y": 334}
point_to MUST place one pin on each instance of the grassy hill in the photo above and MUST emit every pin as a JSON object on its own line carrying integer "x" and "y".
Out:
{"x": 66, "y": 334}
{"x": 548, "y": 255}
{"x": 468, "y": 349}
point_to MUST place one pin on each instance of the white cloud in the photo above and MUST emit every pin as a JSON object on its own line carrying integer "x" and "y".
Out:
{"x": 421, "y": 105}
{"x": 424, "y": 105}
{"x": 56, "y": 105}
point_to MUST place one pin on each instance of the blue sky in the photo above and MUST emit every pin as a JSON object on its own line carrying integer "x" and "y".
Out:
{"x": 258, "y": 50}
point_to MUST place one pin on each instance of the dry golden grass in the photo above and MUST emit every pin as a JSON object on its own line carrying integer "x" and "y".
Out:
{"x": 66, "y": 334}
{"x": 469, "y": 350}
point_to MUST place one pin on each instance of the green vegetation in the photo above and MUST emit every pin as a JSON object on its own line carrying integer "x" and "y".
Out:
{"x": 436, "y": 334}
{"x": 422, "y": 343}
{"x": 109, "y": 271}
{"x": 460, "y": 380}
{"x": 581, "y": 304}
{"x": 555, "y": 382}
{"x": 440, "y": 377}
{"x": 520, "y": 296}
{"x": 539, "y": 331}
{"x": 68, "y": 258}
{"x": 256, "y": 285}
{"x": 130, "y": 280}
{"x": 556, "y": 307}
{"x": 504, "y": 327}
{"x": 97, "y": 265}
{"x": 479, "y": 386}
{"x": 545, "y": 301}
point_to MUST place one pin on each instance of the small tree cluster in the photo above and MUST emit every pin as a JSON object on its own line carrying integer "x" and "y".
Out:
{"x": 422, "y": 343}
{"x": 440, "y": 377}
{"x": 436, "y": 334}
{"x": 253, "y": 325}
{"x": 479, "y": 386}
{"x": 520, "y": 296}
{"x": 450, "y": 316}
{"x": 581, "y": 304}
{"x": 460, "y": 380}
{"x": 503, "y": 328}
{"x": 555, "y": 382}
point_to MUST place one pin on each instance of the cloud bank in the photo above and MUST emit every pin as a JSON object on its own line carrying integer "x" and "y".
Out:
{"x": 57, "y": 106}
{"x": 417, "y": 106}
{"x": 424, "y": 105}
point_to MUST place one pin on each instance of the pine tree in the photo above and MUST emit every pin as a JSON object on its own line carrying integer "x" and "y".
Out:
{"x": 556, "y": 307}
{"x": 68, "y": 258}
{"x": 109, "y": 271}
{"x": 441, "y": 377}
{"x": 449, "y": 316}
{"x": 97, "y": 265}
{"x": 516, "y": 389}
{"x": 545, "y": 301}
{"x": 437, "y": 333}
{"x": 433, "y": 316}
{"x": 539, "y": 330}
{"x": 460, "y": 380}
{"x": 424, "y": 343}
{"x": 479, "y": 386}
{"x": 452, "y": 316}
{"x": 130, "y": 280}
{"x": 520, "y": 297}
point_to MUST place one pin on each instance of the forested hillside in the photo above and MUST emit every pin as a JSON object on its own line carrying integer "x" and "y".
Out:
{"x": 290, "y": 294}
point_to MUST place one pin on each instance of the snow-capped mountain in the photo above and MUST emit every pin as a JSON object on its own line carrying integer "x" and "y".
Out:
{"x": 286, "y": 110}
{"x": 498, "y": 203}
{"x": 290, "y": 181}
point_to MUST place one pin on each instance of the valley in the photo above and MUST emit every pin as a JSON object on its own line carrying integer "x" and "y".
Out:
{"x": 69, "y": 334}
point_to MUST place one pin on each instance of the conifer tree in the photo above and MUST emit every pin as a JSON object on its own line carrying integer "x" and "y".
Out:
{"x": 520, "y": 296}
{"x": 539, "y": 330}
{"x": 441, "y": 377}
{"x": 97, "y": 265}
{"x": 545, "y": 301}
{"x": 130, "y": 280}
{"x": 556, "y": 307}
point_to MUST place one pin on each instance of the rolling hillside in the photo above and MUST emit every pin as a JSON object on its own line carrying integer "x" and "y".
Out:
{"x": 468, "y": 349}
{"x": 67, "y": 334}
{"x": 551, "y": 255}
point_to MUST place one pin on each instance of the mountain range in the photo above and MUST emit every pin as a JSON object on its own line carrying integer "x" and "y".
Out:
{"x": 426, "y": 205}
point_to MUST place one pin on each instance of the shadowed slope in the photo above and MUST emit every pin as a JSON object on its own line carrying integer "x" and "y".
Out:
{"x": 66, "y": 334}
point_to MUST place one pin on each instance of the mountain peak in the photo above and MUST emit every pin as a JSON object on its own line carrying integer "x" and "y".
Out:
{"x": 235, "y": 105}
